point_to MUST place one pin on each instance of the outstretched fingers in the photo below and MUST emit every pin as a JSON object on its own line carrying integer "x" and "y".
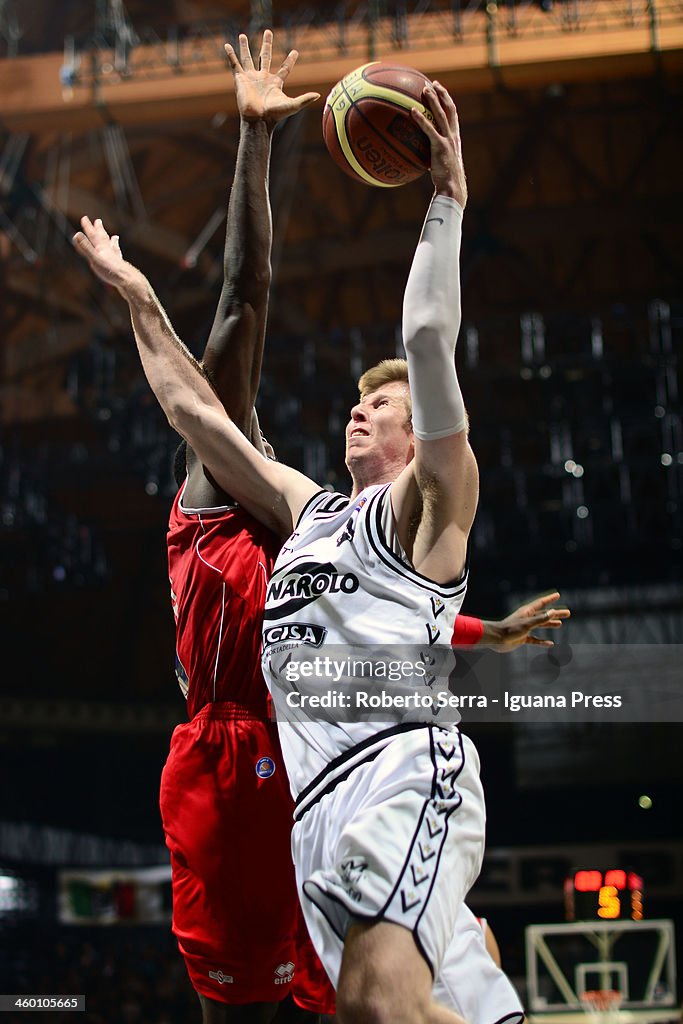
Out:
{"x": 91, "y": 234}
{"x": 540, "y": 620}
{"x": 87, "y": 226}
{"x": 287, "y": 64}
{"x": 541, "y": 605}
{"x": 232, "y": 59}
{"x": 550, "y": 619}
{"x": 558, "y": 615}
{"x": 81, "y": 242}
{"x": 539, "y": 641}
{"x": 94, "y": 238}
{"x": 95, "y": 230}
{"x": 299, "y": 102}
{"x": 245, "y": 53}
{"x": 541, "y": 602}
{"x": 546, "y": 618}
{"x": 266, "y": 54}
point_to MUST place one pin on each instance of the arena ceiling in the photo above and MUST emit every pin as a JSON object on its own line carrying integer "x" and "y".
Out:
{"x": 572, "y": 143}
{"x": 571, "y": 123}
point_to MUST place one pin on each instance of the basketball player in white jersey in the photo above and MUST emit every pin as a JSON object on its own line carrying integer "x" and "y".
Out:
{"x": 389, "y": 833}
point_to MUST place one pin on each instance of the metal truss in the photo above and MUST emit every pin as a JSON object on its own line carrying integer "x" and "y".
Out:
{"x": 10, "y": 28}
{"x": 116, "y": 51}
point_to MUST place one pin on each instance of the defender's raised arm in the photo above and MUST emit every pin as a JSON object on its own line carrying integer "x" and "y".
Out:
{"x": 234, "y": 350}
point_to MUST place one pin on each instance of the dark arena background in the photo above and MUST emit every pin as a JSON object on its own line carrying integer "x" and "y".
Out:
{"x": 570, "y": 361}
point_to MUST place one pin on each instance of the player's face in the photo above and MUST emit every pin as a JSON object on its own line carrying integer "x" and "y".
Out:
{"x": 380, "y": 426}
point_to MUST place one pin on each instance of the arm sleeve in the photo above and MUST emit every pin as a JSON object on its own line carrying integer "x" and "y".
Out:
{"x": 431, "y": 321}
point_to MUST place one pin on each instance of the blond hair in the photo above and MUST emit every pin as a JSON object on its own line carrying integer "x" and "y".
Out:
{"x": 389, "y": 371}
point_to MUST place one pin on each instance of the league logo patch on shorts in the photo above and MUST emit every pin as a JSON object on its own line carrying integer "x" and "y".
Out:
{"x": 221, "y": 978}
{"x": 265, "y": 767}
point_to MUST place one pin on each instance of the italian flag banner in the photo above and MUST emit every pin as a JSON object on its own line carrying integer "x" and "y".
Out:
{"x": 116, "y": 896}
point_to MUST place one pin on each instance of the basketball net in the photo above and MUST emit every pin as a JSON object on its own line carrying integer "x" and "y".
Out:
{"x": 602, "y": 1005}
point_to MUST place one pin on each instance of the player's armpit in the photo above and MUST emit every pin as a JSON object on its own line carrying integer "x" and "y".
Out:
{"x": 447, "y": 477}
{"x": 434, "y": 513}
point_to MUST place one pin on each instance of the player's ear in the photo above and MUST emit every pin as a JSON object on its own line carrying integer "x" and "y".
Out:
{"x": 411, "y": 449}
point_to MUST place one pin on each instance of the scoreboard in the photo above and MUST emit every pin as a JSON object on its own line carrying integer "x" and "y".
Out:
{"x": 612, "y": 895}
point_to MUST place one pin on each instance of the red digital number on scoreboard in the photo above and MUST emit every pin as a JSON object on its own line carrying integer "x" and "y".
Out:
{"x": 607, "y": 895}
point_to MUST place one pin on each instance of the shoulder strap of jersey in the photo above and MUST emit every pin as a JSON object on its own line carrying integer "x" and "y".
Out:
{"x": 374, "y": 529}
{"x": 322, "y": 503}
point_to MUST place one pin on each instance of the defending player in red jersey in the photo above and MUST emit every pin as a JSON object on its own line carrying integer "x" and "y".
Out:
{"x": 225, "y": 801}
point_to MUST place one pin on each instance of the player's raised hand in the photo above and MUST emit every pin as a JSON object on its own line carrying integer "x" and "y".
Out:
{"x": 259, "y": 93}
{"x": 516, "y": 628}
{"x": 103, "y": 253}
{"x": 447, "y": 168}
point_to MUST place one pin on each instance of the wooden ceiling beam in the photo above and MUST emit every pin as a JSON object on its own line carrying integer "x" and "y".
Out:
{"x": 487, "y": 56}
{"x": 24, "y": 403}
{"x": 29, "y": 353}
{"x": 147, "y": 235}
{"x": 27, "y": 284}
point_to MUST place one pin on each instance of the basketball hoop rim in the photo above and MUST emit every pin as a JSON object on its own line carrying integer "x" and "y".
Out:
{"x": 601, "y": 1000}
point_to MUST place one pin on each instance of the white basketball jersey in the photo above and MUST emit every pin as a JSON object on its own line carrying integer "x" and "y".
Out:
{"x": 340, "y": 592}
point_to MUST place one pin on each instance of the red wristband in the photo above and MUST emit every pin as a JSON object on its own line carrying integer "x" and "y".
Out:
{"x": 467, "y": 631}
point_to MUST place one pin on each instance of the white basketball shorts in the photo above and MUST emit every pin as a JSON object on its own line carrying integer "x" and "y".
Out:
{"x": 394, "y": 830}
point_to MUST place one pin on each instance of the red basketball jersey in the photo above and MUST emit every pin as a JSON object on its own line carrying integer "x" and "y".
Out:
{"x": 219, "y": 561}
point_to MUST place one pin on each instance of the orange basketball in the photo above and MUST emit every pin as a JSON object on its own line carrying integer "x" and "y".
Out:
{"x": 367, "y": 125}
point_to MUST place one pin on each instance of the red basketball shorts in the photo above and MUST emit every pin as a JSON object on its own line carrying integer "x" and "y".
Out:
{"x": 226, "y": 810}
